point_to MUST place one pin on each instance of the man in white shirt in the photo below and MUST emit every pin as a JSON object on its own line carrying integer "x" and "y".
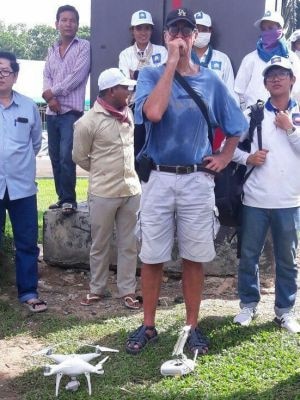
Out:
{"x": 142, "y": 53}
{"x": 249, "y": 83}
{"x": 207, "y": 56}
{"x": 272, "y": 199}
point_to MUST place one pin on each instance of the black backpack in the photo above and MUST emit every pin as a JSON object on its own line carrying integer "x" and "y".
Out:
{"x": 229, "y": 182}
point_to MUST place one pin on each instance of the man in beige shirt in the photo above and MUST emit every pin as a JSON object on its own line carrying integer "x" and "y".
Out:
{"x": 103, "y": 145}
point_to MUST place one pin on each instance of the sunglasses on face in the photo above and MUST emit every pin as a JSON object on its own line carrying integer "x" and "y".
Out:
{"x": 186, "y": 30}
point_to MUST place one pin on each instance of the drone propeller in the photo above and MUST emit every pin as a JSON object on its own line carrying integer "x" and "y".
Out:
{"x": 102, "y": 348}
{"x": 47, "y": 351}
{"x": 43, "y": 352}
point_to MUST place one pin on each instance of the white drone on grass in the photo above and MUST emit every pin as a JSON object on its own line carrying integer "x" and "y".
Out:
{"x": 73, "y": 365}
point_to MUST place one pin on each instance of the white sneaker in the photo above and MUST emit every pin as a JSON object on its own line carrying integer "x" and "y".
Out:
{"x": 245, "y": 316}
{"x": 288, "y": 322}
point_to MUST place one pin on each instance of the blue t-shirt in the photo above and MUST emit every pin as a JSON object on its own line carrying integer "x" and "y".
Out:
{"x": 181, "y": 136}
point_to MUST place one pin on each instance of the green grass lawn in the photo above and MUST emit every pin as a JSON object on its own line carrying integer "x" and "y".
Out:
{"x": 258, "y": 362}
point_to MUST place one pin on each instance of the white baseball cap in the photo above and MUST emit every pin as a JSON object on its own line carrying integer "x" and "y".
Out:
{"x": 270, "y": 16}
{"x": 295, "y": 36}
{"x": 141, "y": 17}
{"x": 202, "y": 19}
{"x": 112, "y": 77}
{"x": 277, "y": 61}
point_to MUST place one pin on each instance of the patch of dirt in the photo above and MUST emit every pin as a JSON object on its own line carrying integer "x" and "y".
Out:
{"x": 68, "y": 286}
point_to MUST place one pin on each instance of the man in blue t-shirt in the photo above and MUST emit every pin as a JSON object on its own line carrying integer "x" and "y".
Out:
{"x": 179, "y": 195}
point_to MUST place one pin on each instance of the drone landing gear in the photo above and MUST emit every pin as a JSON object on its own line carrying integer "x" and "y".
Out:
{"x": 58, "y": 379}
{"x": 88, "y": 378}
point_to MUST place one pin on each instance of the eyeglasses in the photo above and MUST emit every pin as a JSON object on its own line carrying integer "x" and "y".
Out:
{"x": 186, "y": 31}
{"x": 5, "y": 73}
{"x": 280, "y": 75}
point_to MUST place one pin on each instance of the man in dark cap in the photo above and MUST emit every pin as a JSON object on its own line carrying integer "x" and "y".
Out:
{"x": 178, "y": 193}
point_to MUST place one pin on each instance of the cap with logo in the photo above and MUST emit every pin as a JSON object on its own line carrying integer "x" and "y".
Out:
{"x": 295, "y": 36}
{"x": 112, "y": 77}
{"x": 141, "y": 17}
{"x": 202, "y": 19}
{"x": 270, "y": 16}
{"x": 277, "y": 61}
{"x": 180, "y": 14}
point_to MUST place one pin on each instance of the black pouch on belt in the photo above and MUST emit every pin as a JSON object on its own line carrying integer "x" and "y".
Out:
{"x": 145, "y": 165}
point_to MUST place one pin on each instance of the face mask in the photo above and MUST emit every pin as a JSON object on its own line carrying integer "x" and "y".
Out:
{"x": 202, "y": 39}
{"x": 270, "y": 37}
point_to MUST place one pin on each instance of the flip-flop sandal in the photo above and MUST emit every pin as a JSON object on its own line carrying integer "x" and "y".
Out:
{"x": 140, "y": 338}
{"x": 131, "y": 303}
{"x": 36, "y": 305}
{"x": 91, "y": 299}
{"x": 197, "y": 341}
{"x": 68, "y": 208}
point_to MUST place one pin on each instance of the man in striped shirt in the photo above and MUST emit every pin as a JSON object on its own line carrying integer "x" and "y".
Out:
{"x": 65, "y": 76}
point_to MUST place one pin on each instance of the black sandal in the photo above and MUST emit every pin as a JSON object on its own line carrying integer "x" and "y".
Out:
{"x": 197, "y": 341}
{"x": 139, "y": 338}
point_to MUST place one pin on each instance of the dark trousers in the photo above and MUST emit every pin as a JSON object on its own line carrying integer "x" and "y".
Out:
{"x": 60, "y": 144}
{"x": 23, "y": 216}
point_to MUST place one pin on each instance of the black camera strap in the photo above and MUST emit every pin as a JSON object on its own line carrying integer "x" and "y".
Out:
{"x": 198, "y": 100}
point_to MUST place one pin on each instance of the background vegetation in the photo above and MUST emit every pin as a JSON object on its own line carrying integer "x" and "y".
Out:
{"x": 31, "y": 43}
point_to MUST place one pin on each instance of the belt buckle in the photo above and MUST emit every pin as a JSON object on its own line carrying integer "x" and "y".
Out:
{"x": 180, "y": 169}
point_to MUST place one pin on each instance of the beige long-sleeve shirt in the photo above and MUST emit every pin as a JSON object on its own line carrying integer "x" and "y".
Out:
{"x": 104, "y": 147}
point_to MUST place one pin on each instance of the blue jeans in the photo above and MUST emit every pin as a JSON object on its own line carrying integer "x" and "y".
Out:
{"x": 23, "y": 216}
{"x": 284, "y": 224}
{"x": 60, "y": 144}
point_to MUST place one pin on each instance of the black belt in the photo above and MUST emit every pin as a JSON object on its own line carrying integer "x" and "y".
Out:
{"x": 182, "y": 169}
{"x": 74, "y": 112}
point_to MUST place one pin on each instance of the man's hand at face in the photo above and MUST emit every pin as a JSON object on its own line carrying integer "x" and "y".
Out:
{"x": 176, "y": 48}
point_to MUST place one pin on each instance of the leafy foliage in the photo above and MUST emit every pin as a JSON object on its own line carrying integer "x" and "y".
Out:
{"x": 31, "y": 43}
